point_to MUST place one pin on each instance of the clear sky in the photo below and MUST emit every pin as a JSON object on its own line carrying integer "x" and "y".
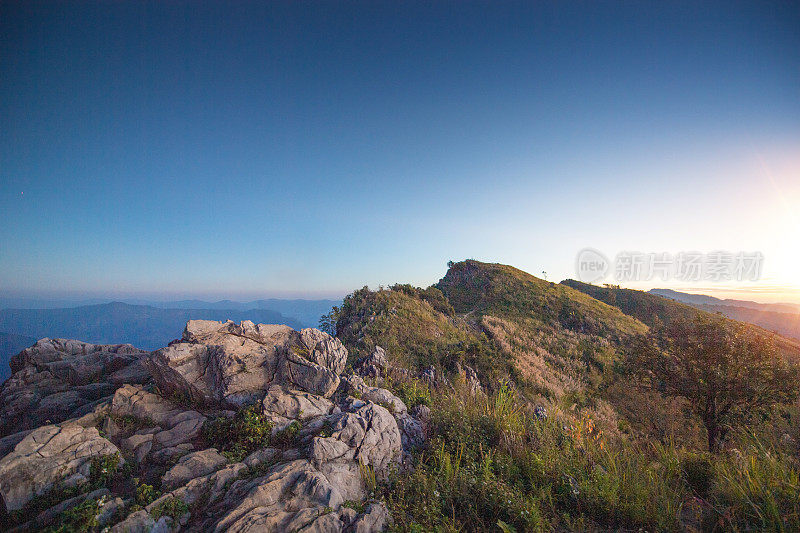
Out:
{"x": 309, "y": 148}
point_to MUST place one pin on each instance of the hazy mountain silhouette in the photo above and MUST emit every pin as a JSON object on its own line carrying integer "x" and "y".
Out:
{"x": 143, "y": 326}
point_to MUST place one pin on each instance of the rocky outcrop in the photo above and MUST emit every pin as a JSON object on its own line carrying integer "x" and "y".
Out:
{"x": 57, "y": 379}
{"x": 374, "y": 365}
{"x": 233, "y": 365}
{"x": 312, "y": 472}
{"x": 162, "y": 430}
{"x": 293, "y": 496}
{"x": 48, "y": 456}
{"x": 191, "y": 466}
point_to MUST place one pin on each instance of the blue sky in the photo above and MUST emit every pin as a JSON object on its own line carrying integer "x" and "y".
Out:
{"x": 310, "y": 148}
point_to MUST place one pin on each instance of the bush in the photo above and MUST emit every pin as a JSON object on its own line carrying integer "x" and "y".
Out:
{"x": 146, "y": 494}
{"x": 77, "y": 519}
{"x": 239, "y": 436}
{"x": 172, "y": 507}
{"x": 103, "y": 469}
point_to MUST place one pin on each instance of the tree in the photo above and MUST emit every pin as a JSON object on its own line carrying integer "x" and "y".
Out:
{"x": 327, "y": 322}
{"x": 726, "y": 370}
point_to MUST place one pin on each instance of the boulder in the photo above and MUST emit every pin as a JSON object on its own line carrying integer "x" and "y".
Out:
{"x": 282, "y": 405}
{"x": 366, "y": 433}
{"x": 193, "y": 465}
{"x": 58, "y": 379}
{"x": 46, "y": 457}
{"x": 290, "y": 497}
{"x": 229, "y": 364}
{"x": 164, "y": 428}
{"x": 374, "y": 365}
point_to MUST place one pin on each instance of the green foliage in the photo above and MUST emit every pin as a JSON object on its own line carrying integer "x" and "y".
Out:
{"x": 239, "y": 436}
{"x": 146, "y": 494}
{"x": 356, "y": 505}
{"x": 327, "y": 322}
{"x": 414, "y": 333}
{"x": 490, "y": 462}
{"x": 103, "y": 469}
{"x": 287, "y": 437}
{"x": 432, "y": 295}
{"x": 725, "y": 370}
{"x": 413, "y": 392}
{"x": 78, "y": 519}
{"x": 172, "y": 507}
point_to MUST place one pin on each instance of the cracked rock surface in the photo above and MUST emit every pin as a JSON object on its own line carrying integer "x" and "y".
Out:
{"x": 224, "y": 363}
{"x": 57, "y": 379}
{"x": 326, "y": 435}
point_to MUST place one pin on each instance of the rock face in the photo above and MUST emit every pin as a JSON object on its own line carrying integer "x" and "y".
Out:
{"x": 163, "y": 429}
{"x": 57, "y": 379}
{"x": 330, "y": 434}
{"x": 223, "y": 363}
{"x": 47, "y": 456}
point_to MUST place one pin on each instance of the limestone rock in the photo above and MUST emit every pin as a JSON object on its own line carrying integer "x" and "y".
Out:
{"x": 193, "y": 465}
{"x": 366, "y": 433}
{"x": 290, "y": 497}
{"x": 234, "y": 364}
{"x": 58, "y": 379}
{"x": 356, "y": 385}
{"x": 45, "y": 457}
{"x": 374, "y": 365}
{"x": 282, "y": 405}
{"x": 167, "y": 427}
{"x": 375, "y": 518}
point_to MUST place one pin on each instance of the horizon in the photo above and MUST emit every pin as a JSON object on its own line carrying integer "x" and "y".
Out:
{"x": 294, "y": 149}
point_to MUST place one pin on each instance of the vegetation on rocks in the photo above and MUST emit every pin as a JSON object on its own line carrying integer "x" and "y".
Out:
{"x": 240, "y": 435}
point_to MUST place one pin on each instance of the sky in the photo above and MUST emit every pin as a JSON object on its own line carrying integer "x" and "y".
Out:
{"x": 236, "y": 149}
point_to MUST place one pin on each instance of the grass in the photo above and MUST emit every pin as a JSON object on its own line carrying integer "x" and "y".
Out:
{"x": 490, "y": 464}
{"x": 415, "y": 333}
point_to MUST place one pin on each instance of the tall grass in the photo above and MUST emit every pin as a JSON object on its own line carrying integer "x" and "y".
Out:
{"x": 758, "y": 488}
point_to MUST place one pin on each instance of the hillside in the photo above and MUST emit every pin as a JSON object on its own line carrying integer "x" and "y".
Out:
{"x": 143, "y": 326}
{"x": 492, "y": 401}
{"x": 653, "y": 309}
{"x": 783, "y": 319}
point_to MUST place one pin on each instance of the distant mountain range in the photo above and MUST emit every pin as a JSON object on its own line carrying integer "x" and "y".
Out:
{"x": 145, "y": 326}
{"x": 782, "y": 318}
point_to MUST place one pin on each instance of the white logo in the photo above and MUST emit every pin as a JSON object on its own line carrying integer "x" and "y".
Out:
{"x": 591, "y": 265}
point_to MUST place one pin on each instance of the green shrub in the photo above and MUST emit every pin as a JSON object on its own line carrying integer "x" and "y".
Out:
{"x": 286, "y": 437}
{"x": 103, "y": 469}
{"x": 78, "y": 519}
{"x": 172, "y": 507}
{"x": 239, "y": 436}
{"x": 146, "y": 494}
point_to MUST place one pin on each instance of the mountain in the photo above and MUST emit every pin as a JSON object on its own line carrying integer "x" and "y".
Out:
{"x": 10, "y": 345}
{"x": 305, "y": 312}
{"x": 702, "y": 299}
{"x": 783, "y": 319}
{"x": 143, "y": 326}
{"x": 490, "y": 401}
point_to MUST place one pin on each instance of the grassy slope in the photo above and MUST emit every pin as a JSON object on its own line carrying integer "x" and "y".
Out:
{"x": 418, "y": 329}
{"x": 492, "y": 465}
{"x": 654, "y": 309}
